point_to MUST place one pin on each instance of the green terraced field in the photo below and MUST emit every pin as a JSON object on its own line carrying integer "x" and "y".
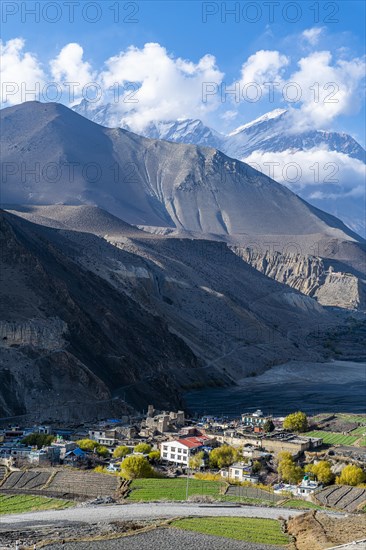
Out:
{"x": 262, "y": 531}
{"x": 173, "y": 489}
{"x": 11, "y": 504}
{"x": 301, "y": 504}
{"x": 361, "y": 430}
{"x": 330, "y": 438}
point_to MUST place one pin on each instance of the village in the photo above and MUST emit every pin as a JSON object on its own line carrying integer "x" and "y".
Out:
{"x": 255, "y": 458}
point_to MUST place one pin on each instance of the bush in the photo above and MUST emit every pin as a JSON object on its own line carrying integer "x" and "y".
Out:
{"x": 351, "y": 475}
{"x": 143, "y": 448}
{"x": 136, "y": 466}
{"x": 321, "y": 470}
{"x": 87, "y": 444}
{"x": 154, "y": 456}
{"x": 296, "y": 422}
{"x": 121, "y": 451}
{"x": 102, "y": 451}
{"x": 256, "y": 468}
{"x": 224, "y": 456}
{"x": 268, "y": 426}
{"x": 208, "y": 476}
{"x": 196, "y": 460}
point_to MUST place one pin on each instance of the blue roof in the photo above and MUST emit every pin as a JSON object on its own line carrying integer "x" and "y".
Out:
{"x": 76, "y": 452}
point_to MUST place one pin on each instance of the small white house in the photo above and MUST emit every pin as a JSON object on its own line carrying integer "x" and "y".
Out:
{"x": 307, "y": 487}
{"x": 239, "y": 472}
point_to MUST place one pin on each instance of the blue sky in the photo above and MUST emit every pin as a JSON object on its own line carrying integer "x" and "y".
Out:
{"x": 190, "y": 31}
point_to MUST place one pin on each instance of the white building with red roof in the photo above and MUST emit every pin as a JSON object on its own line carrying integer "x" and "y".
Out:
{"x": 179, "y": 451}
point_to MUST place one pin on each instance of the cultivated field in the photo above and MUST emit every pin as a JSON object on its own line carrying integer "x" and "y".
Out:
{"x": 16, "y": 504}
{"x": 266, "y": 531}
{"x": 361, "y": 430}
{"x": 301, "y": 505}
{"x": 330, "y": 438}
{"x": 342, "y": 497}
{"x": 174, "y": 489}
{"x": 62, "y": 483}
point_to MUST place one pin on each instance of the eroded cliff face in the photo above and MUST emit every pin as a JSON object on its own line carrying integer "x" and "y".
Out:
{"x": 310, "y": 275}
{"x": 40, "y": 333}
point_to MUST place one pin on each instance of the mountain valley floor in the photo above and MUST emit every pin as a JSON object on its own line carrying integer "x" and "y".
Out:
{"x": 336, "y": 386}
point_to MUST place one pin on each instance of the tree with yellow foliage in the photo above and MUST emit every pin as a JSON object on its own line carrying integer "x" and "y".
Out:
{"x": 351, "y": 475}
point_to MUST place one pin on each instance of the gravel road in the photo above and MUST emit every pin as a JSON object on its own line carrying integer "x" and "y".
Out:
{"x": 145, "y": 511}
{"x": 165, "y": 539}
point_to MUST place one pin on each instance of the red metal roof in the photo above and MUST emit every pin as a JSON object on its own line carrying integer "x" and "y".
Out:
{"x": 193, "y": 442}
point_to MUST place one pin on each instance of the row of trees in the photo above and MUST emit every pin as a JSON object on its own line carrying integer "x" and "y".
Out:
{"x": 123, "y": 450}
{"x": 38, "y": 440}
{"x": 290, "y": 472}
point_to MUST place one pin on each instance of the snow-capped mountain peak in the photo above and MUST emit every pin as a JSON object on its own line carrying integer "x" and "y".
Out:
{"x": 276, "y": 113}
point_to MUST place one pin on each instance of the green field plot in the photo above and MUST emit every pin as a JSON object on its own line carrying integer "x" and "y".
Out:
{"x": 247, "y": 500}
{"x": 330, "y": 438}
{"x": 265, "y": 531}
{"x": 362, "y": 442}
{"x": 173, "y": 489}
{"x": 361, "y": 430}
{"x": 16, "y": 504}
{"x": 301, "y": 505}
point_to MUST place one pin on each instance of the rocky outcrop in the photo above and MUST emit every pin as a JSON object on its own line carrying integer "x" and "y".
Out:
{"x": 310, "y": 275}
{"x": 39, "y": 333}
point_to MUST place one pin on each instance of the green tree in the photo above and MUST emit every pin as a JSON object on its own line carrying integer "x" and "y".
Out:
{"x": 154, "y": 456}
{"x": 38, "y": 440}
{"x": 136, "y": 466}
{"x": 195, "y": 460}
{"x": 321, "y": 470}
{"x": 121, "y": 451}
{"x": 144, "y": 448}
{"x": 351, "y": 475}
{"x": 87, "y": 444}
{"x": 257, "y": 466}
{"x": 296, "y": 422}
{"x": 268, "y": 426}
{"x": 224, "y": 456}
{"x": 102, "y": 451}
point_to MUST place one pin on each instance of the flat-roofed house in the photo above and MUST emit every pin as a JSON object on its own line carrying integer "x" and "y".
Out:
{"x": 179, "y": 451}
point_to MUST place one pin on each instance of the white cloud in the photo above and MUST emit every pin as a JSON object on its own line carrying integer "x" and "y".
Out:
{"x": 168, "y": 87}
{"x": 20, "y": 73}
{"x": 155, "y": 85}
{"x": 326, "y": 89}
{"x": 312, "y": 36}
{"x": 264, "y": 66}
{"x": 69, "y": 66}
{"x": 306, "y": 170}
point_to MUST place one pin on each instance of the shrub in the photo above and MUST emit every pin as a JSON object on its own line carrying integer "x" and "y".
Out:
{"x": 121, "y": 451}
{"x": 222, "y": 457}
{"x": 143, "y": 448}
{"x": 196, "y": 460}
{"x": 208, "y": 476}
{"x": 38, "y": 440}
{"x": 154, "y": 456}
{"x": 136, "y": 466}
{"x": 102, "y": 451}
{"x": 321, "y": 470}
{"x": 87, "y": 444}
